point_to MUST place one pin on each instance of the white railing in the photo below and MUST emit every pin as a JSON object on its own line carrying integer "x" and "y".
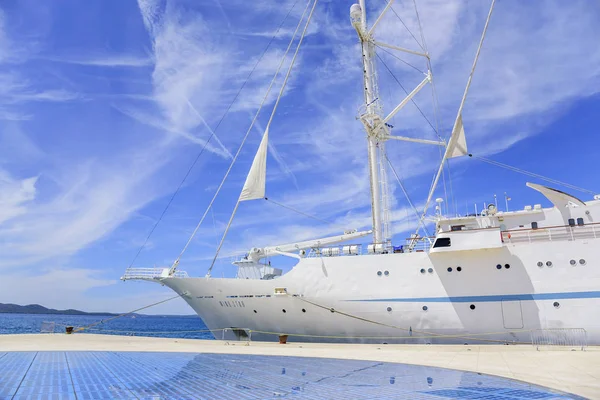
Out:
{"x": 149, "y": 274}
{"x": 565, "y": 337}
{"x": 422, "y": 245}
{"x": 556, "y": 233}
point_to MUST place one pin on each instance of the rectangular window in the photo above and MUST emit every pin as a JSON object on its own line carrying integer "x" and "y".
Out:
{"x": 534, "y": 225}
{"x": 442, "y": 242}
{"x": 571, "y": 222}
{"x": 457, "y": 227}
{"x": 580, "y": 222}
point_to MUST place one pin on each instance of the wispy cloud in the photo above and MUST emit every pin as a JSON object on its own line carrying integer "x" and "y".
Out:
{"x": 46, "y": 95}
{"x": 110, "y": 60}
{"x": 185, "y": 66}
{"x": 14, "y": 196}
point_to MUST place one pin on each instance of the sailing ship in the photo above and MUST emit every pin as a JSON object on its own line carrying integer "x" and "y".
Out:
{"x": 492, "y": 277}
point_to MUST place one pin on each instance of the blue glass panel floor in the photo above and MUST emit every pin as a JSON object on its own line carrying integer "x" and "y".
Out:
{"x": 124, "y": 375}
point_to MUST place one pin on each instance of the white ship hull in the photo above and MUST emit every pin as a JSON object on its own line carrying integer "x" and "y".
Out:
{"x": 367, "y": 307}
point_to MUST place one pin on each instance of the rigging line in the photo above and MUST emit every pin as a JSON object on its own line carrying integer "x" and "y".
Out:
{"x": 430, "y": 334}
{"x": 437, "y": 126}
{"x": 411, "y": 34}
{"x": 176, "y": 263}
{"x": 127, "y": 313}
{"x": 451, "y": 188}
{"x": 187, "y": 174}
{"x": 398, "y": 58}
{"x": 436, "y": 117}
{"x": 420, "y": 27}
{"x": 279, "y": 96}
{"x": 297, "y": 211}
{"x": 406, "y": 194}
{"x": 532, "y": 174}
{"x": 435, "y": 101}
{"x": 453, "y": 139}
{"x": 405, "y": 91}
{"x": 444, "y": 179}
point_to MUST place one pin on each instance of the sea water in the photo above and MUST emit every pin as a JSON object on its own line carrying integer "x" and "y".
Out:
{"x": 190, "y": 327}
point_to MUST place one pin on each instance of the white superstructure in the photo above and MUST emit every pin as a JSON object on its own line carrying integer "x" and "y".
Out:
{"x": 492, "y": 277}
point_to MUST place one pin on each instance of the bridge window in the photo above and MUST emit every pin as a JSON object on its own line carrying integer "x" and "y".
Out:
{"x": 457, "y": 227}
{"x": 442, "y": 242}
{"x": 580, "y": 222}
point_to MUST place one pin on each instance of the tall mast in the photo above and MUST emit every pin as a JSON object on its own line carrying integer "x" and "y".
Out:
{"x": 372, "y": 116}
{"x": 376, "y": 125}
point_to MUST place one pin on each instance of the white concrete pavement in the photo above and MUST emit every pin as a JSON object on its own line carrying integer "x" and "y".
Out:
{"x": 569, "y": 370}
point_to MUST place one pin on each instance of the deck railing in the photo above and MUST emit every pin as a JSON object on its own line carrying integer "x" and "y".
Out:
{"x": 554, "y": 233}
{"x": 421, "y": 245}
{"x": 565, "y": 337}
{"x": 150, "y": 274}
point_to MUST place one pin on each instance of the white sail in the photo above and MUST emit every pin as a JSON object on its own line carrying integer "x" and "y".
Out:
{"x": 457, "y": 147}
{"x": 254, "y": 188}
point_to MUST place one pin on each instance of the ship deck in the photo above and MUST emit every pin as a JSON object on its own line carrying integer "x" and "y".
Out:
{"x": 89, "y": 366}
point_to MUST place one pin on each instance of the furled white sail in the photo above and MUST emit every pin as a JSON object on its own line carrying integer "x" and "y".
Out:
{"x": 457, "y": 146}
{"x": 254, "y": 188}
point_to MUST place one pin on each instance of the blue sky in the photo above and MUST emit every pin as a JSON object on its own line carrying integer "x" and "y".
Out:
{"x": 104, "y": 104}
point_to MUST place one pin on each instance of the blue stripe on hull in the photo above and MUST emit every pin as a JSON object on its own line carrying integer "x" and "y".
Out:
{"x": 491, "y": 298}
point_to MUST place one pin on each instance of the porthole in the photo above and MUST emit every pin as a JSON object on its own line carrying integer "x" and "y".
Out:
{"x": 304, "y": 310}
{"x": 430, "y": 270}
{"x": 472, "y": 306}
{"x": 422, "y": 270}
{"x": 459, "y": 269}
{"x": 386, "y": 273}
{"x": 498, "y": 266}
{"x": 573, "y": 262}
{"x": 332, "y": 310}
{"x": 556, "y": 304}
{"x": 255, "y": 311}
{"x": 540, "y": 264}
{"x": 389, "y": 309}
{"x": 378, "y": 273}
{"x": 449, "y": 269}
{"x": 549, "y": 264}
{"x": 582, "y": 261}
{"x": 425, "y": 308}
{"x": 284, "y": 311}
{"x": 507, "y": 266}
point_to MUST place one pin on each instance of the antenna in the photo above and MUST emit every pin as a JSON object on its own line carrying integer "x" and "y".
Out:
{"x": 506, "y": 200}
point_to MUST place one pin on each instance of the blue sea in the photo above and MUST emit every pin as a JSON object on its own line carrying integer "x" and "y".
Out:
{"x": 190, "y": 327}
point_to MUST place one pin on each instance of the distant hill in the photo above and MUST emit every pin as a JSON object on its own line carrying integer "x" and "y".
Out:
{"x": 37, "y": 309}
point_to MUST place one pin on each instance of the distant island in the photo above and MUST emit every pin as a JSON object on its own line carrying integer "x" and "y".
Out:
{"x": 37, "y": 309}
